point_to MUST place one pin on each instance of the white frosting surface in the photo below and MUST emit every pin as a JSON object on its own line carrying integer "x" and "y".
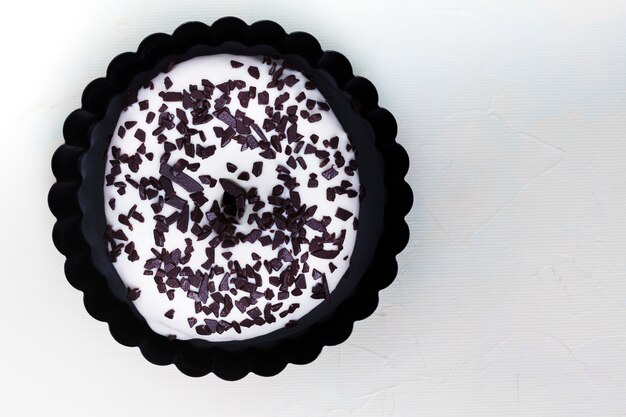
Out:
{"x": 131, "y": 262}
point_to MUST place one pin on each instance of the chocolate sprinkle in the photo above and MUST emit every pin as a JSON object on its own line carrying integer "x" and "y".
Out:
{"x": 254, "y": 72}
{"x": 330, "y": 173}
{"x": 181, "y": 179}
{"x": 315, "y": 118}
{"x": 263, "y": 97}
{"x": 140, "y": 135}
{"x": 231, "y": 188}
{"x": 133, "y": 293}
{"x": 343, "y": 214}
{"x": 257, "y": 168}
{"x": 183, "y": 220}
{"x": 172, "y": 96}
{"x": 325, "y": 254}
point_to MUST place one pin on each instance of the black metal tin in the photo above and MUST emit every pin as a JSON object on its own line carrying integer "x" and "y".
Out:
{"x": 76, "y": 199}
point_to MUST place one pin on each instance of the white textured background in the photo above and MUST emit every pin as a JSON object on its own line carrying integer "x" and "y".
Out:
{"x": 511, "y": 297}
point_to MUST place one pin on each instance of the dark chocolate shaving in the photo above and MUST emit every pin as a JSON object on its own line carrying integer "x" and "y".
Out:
{"x": 133, "y": 293}
{"x": 254, "y": 72}
{"x": 343, "y": 214}
{"x": 182, "y": 179}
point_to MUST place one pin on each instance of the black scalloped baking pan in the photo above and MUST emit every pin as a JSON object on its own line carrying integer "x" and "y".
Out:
{"x": 76, "y": 199}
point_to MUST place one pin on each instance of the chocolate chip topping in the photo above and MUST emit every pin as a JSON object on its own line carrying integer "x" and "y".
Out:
{"x": 192, "y": 125}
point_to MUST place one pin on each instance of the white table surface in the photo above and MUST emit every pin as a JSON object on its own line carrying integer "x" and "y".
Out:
{"x": 511, "y": 296}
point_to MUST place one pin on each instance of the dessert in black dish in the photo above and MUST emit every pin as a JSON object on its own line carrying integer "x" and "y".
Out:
{"x": 230, "y": 198}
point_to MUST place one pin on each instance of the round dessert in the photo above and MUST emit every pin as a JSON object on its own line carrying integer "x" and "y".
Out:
{"x": 225, "y": 184}
{"x": 232, "y": 198}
